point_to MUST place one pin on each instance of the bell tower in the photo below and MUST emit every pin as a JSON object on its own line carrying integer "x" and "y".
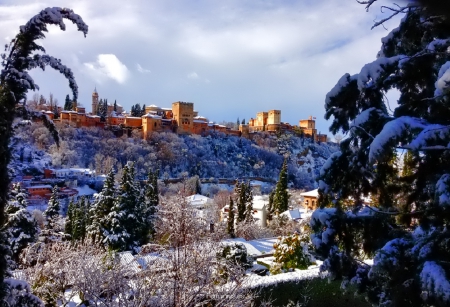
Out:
{"x": 95, "y": 102}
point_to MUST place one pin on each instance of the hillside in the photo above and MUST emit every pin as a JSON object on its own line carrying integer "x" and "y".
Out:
{"x": 215, "y": 156}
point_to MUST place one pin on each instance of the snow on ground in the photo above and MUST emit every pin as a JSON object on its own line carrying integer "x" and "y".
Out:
{"x": 85, "y": 190}
{"x": 255, "y": 247}
{"x": 297, "y": 275}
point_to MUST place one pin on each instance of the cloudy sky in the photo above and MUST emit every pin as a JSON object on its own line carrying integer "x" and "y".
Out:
{"x": 232, "y": 58}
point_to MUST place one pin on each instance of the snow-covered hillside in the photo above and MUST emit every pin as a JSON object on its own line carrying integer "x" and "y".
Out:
{"x": 214, "y": 156}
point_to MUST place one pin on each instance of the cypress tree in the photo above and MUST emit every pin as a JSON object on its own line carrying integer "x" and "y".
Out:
{"x": 248, "y": 203}
{"x": 151, "y": 202}
{"x": 67, "y": 103}
{"x": 142, "y": 110}
{"x": 115, "y": 106}
{"x": 281, "y": 196}
{"x": 230, "y": 221}
{"x": 240, "y": 201}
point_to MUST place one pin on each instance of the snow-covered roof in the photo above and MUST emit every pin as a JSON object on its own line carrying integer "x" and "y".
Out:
{"x": 313, "y": 193}
{"x": 198, "y": 200}
{"x": 42, "y": 186}
{"x": 150, "y": 115}
{"x": 294, "y": 214}
{"x": 259, "y": 201}
{"x": 153, "y": 106}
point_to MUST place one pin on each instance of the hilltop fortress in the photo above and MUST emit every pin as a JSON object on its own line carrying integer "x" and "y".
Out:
{"x": 181, "y": 119}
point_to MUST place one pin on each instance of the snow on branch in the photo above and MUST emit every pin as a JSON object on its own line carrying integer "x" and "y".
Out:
{"x": 364, "y": 116}
{"x": 443, "y": 80}
{"x": 43, "y": 60}
{"x": 442, "y": 190}
{"x": 435, "y": 282}
{"x": 55, "y": 16}
{"x": 392, "y": 131}
{"x": 371, "y": 72}
{"x": 342, "y": 83}
{"x": 430, "y": 133}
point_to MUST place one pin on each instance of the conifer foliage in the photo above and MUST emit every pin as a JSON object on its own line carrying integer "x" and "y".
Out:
{"x": 53, "y": 208}
{"x": 231, "y": 219}
{"x": 280, "y": 200}
{"x": 408, "y": 240}
{"x": 244, "y": 202}
{"x": 21, "y": 228}
{"x": 21, "y": 55}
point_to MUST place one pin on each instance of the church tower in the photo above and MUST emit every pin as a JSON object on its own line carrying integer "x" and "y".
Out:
{"x": 95, "y": 102}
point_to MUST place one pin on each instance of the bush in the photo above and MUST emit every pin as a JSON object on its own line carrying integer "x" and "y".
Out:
{"x": 291, "y": 253}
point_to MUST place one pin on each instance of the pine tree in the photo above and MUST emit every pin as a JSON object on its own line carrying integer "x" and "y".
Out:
{"x": 101, "y": 210}
{"x": 281, "y": 195}
{"x": 230, "y": 221}
{"x": 127, "y": 218}
{"x": 70, "y": 220}
{"x": 409, "y": 243}
{"x": 53, "y": 208}
{"x": 21, "y": 228}
{"x": 81, "y": 219}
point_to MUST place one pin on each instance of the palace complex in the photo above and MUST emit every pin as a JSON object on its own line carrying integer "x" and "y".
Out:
{"x": 181, "y": 118}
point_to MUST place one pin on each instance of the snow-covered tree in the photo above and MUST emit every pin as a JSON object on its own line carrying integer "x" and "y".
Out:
{"x": 244, "y": 201}
{"x": 101, "y": 210}
{"x": 126, "y": 217}
{"x": 20, "y": 228}
{"x": 408, "y": 242}
{"x": 280, "y": 200}
{"x": 231, "y": 219}
{"x": 151, "y": 202}
{"x": 53, "y": 208}
{"x": 21, "y": 55}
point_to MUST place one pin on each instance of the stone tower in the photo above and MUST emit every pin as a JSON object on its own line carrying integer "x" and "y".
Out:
{"x": 183, "y": 113}
{"x": 95, "y": 102}
{"x": 274, "y": 117}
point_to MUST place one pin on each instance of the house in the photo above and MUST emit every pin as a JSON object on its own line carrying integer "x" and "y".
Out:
{"x": 310, "y": 199}
{"x": 294, "y": 214}
{"x": 199, "y": 201}
{"x": 39, "y": 190}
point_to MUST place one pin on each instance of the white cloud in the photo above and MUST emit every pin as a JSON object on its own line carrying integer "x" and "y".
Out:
{"x": 193, "y": 75}
{"x": 108, "y": 65}
{"x": 141, "y": 69}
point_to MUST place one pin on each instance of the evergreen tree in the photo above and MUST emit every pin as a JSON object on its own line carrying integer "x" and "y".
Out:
{"x": 19, "y": 57}
{"x": 243, "y": 121}
{"x": 248, "y": 204}
{"x": 142, "y": 110}
{"x": 244, "y": 201}
{"x": 198, "y": 186}
{"x": 151, "y": 202}
{"x": 127, "y": 218}
{"x": 281, "y": 196}
{"x": 270, "y": 207}
{"x": 67, "y": 103}
{"x": 21, "y": 228}
{"x": 70, "y": 219}
{"x": 81, "y": 219}
{"x": 409, "y": 244}
{"x": 101, "y": 210}
{"x": 115, "y": 106}
{"x": 53, "y": 208}
{"x": 230, "y": 221}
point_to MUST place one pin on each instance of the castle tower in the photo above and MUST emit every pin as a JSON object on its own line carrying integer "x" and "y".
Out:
{"x": 95, "y": 102}
{"x": 183, "y": 113}
{"x": 274, "y": 117}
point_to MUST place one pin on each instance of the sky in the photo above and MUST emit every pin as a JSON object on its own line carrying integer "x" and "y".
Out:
{"x": 231, "y": 58}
